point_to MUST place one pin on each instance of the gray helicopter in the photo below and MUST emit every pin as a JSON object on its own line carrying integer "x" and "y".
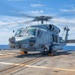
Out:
{"x": 41, "y": 37}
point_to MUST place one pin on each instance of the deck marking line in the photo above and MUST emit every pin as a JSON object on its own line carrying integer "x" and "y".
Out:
{"x": 7, "y": 54}
{"x": 44, "y": 67}
{"x": 41, "y": 67}
{"x": 2, "y": 54}
{"x": 8, "y": 63}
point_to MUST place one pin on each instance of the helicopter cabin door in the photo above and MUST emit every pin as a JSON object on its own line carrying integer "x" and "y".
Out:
{"x": 45, "y": 37}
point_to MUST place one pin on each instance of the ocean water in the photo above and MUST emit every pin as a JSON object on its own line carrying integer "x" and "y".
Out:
{"x": 64, "y": 48}
{"x": 4, "y": 47}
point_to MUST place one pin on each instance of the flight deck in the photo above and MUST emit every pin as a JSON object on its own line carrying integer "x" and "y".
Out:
{"x": 34, "y": 63}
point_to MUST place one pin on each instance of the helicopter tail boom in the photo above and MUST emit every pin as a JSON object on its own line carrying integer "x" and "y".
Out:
{"x": 70, "y": 41}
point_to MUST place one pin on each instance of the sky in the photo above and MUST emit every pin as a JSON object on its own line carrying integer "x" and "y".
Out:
{"x": 13, "y": 15}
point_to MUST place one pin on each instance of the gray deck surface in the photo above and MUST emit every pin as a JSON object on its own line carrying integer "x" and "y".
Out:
{"x": 13, "y": 63}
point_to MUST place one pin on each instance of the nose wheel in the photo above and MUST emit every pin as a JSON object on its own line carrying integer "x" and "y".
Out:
{"x": 24, "y": 52}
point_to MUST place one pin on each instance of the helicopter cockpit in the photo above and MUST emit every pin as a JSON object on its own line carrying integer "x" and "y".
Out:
{"x": 25, "y": 32}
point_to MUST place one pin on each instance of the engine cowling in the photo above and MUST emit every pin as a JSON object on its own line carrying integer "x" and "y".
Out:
{"x": 54, "y": 28}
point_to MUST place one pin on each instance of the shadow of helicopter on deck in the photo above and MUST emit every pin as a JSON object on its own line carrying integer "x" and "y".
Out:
{"x": 32, "y": 55}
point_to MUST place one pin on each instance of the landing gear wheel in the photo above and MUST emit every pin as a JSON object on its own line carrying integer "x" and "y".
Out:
{"x": 54, "y": 53}
{"x": 45, "y": 52}
{"x": 25, "y": 52}
{"x": 50, "y": 53}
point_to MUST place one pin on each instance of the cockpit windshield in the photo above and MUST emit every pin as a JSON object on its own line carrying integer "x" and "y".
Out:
{"x": 20, "y": 32}
{"x": 31, "y": 32}
{"x": 23, "y": 32}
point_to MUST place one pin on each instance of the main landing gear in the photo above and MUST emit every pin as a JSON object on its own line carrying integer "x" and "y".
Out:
{"x": 49, "y": 52}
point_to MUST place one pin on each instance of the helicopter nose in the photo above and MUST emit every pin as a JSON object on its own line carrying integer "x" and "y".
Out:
{"x": 32, "y": 41}
{"x": 12, "y": 39}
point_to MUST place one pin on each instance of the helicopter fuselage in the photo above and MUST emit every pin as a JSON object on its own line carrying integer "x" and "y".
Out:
{"x": 37, "y": 38}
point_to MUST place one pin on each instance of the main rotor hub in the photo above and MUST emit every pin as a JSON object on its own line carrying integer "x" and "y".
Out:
{"x": 42, "y": 18}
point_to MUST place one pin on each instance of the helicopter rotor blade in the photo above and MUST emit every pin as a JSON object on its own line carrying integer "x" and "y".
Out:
{"x": 37, "y": 17}
{"x": 26, "y": 15}
{"x": 21, "y": 22}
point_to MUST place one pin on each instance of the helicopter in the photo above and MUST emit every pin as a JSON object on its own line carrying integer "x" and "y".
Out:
{"x": 41, "y": 37}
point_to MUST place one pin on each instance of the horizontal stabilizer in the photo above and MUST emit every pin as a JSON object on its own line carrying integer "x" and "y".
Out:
{"x": 70, "y": 41}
